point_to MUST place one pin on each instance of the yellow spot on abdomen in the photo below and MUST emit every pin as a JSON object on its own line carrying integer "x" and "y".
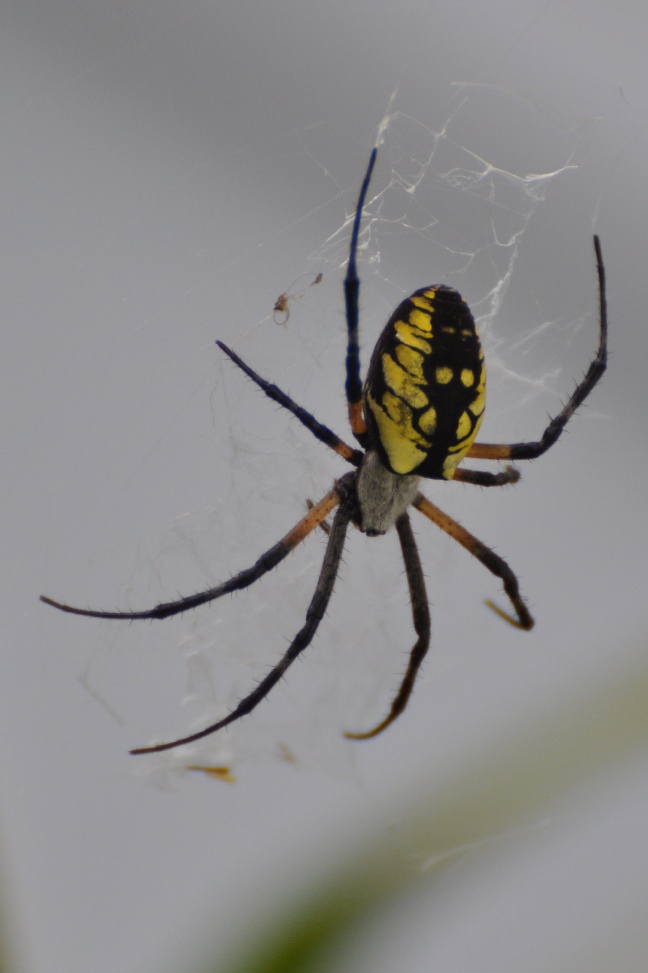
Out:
{"x": 424, "y": 302}
{"x": 400, "y": 382}
{"x": 443, "y": 375}
{"x": 477, "y": 407}
{"x": 411, "y": 360}
{"x": 467, "y": 377}
{"x": 405, "y": 447}
{"x": 463, "y": 426}
{"x": 412, "y": 336}
{"x": 428, "y": 421}
{"x": 422, "y": 320}
{"x": 450, "y": 464}
{"x": 478, "y": 403}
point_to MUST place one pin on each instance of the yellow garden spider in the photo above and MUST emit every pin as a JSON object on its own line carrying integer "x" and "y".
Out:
{"x": 416, "y": 416}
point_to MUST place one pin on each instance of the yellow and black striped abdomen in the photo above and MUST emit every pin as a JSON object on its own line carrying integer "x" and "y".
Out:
{"x": 425, "y": 389}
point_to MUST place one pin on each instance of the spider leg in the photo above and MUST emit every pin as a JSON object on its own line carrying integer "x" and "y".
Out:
{"x": 495, "y": 564}
{"x": 421, "y": 616}
{"x": 325, "y": 526}
{"x": 482, "y": 478}
{"x": 304, "y": 637}
{"x": 580, "y": 393}
{"x": 351, "y": 293}
{"x": 244, "y": 579}
{"x": 320, "y": 431}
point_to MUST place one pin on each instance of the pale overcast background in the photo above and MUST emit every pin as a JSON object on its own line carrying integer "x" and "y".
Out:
{"x": 169, "y": 169}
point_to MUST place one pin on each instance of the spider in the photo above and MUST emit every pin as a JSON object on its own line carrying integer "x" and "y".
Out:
{"x": 417, "y": 415}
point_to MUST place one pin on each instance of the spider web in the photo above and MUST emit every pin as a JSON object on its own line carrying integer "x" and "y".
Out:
{"x": 438, "y": 211}
{"x": 441, "y": 212}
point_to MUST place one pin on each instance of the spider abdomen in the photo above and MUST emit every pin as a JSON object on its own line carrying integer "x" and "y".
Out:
{"x": 425, "y": 390}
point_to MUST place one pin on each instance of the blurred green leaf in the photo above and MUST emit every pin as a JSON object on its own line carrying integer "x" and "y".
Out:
{"x": 520, "y": 781}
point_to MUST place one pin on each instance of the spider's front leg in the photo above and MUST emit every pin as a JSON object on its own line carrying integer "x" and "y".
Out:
{"x": 353, "y": 386}
{"x": 501, "y": 451}
{"x": 483, "y": 478}
{"x": 318, "y": 429}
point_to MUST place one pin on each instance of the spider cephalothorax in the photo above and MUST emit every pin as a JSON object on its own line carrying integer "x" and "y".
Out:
{"x": 416, "y": 418}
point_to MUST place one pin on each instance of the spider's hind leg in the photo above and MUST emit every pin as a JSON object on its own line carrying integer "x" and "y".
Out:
{"x": 302, "y": 640}
{"x": 269, "y": 560}
{"x": 422, "y": 626}
{"x": 495, "y": 564}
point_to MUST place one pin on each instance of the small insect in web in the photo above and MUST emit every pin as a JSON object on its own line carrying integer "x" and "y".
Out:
{"x": 283, "y": 302}
{"x": 216, "y": 773}
{"x": 415, "y": 417}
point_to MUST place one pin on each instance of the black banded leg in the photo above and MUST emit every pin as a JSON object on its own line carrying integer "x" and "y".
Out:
{"x": 318, "y": 429}
{"x": 495, "y": 564}
{"x": 353, "y": 386}
{"x": 483, "y": 478}
{"x": 421, "y": 616}
{"x": 580, "y": 393}
{"x": 304, "y": 637}
{"x": 266, "y": 562}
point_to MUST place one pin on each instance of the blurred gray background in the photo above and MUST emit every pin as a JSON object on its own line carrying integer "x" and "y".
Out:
{"x": 169, "y": 169}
